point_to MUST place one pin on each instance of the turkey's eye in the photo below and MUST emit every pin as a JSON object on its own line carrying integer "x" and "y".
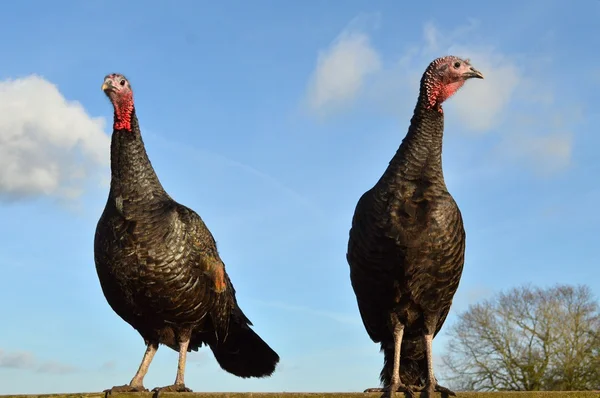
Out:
{"x": 457, "y": 64}
{"x": 122, "y": 83}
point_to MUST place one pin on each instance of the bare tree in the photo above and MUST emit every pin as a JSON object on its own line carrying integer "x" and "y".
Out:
{"x": 527, "y": 339}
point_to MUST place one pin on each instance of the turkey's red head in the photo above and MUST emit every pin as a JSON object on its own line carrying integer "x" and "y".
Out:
{"x": 444, "y": 76}
{"x": 118, "y": 90}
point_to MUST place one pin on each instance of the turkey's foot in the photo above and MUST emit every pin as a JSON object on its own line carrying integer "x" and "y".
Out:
{"x": 387, "y": 392}
{"x": 376, "y": 389}
{"x": 428, "y": 390}
{"x": 125, "y": 388}
{"x": 171, "y": 388}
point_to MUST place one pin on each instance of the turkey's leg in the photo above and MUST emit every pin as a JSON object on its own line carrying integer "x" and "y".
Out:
{"x": 395, "y": 383}
{"x": 431, "y": 384}
{"x": 179, "y": 385}
{"x": 137, "y": 383}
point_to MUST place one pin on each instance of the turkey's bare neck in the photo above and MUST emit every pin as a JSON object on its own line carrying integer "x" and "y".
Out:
{"x": 132, "y": 174}
{"x": 420, "y": 154}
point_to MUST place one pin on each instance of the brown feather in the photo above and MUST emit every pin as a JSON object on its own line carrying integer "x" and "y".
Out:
{"x": 160, "y": 270}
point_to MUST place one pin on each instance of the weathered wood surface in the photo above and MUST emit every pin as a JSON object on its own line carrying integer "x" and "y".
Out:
{"x": 538, "y": 394}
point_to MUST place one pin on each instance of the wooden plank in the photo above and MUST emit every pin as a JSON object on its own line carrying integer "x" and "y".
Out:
{"x": 511, "y": 394}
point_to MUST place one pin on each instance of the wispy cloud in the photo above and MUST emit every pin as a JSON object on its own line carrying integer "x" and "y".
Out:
{"x": 57, "y": 368}
{"x": 547, "y": 154}
{"x": 341, "y": 70}
{"x": 512, "y": 102}
{"x": 17, "y": 360}
{"x": 482, "y": 107}
{"x": 335, "y": 316}
{"x": 108, "y": 366}
{"x": 49, "y": 146}
{"x": 221, "y": 159}
{"x": 510, "y": 94}
{"x": 466, "y": 297}
{"x": 28, "y": 361}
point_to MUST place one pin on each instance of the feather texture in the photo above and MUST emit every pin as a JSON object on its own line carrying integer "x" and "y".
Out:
{"x": 160, "y": 270}
{"x": 406, "y": 246}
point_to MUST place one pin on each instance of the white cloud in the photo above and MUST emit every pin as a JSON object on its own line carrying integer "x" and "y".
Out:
{"x": 16, "y": 360}
{"x": 56, "y": 368}
{"x": 499, "y": 103}
{"x": 468, "y": 296}
{"x": 108, "y": 366}
{"x": 26, "y": 360}
{"x": 430, "y": 34}
{"x": 341, "y": 70}
{"x": 547, "y": 154}
{"x": 511, "y": 101}
{"x": 481, "y": 105}
{"x": 48, "y": 145}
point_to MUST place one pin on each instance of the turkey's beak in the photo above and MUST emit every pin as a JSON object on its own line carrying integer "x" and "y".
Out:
{"x": 106, "y": 86}
{"x": 473, "y": 73}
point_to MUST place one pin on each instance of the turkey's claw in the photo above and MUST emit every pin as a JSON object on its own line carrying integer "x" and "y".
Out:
{"x": 428, "y": 390}
{"x": 171, "y": 388}
{"x": 388, "y": 391}
{"x": 124, "y": 388}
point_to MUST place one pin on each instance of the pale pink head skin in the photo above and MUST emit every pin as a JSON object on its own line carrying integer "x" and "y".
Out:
{"x": 118, "y": 90}
{"x": 443, "y": 77}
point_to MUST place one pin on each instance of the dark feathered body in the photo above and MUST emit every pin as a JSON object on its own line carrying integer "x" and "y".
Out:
{"x": 160, "y": 271}
{"x": 406, "y": 246}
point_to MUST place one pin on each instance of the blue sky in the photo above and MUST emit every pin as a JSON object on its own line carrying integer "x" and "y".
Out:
{"x": 270, "y": 119}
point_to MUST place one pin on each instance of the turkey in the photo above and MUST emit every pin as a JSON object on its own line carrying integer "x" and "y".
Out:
{"x": 407, "y": 242}
{"x": 159, "y": 268}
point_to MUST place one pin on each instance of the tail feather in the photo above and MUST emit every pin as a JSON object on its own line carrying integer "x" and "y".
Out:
{"x": 243, "y": 353}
